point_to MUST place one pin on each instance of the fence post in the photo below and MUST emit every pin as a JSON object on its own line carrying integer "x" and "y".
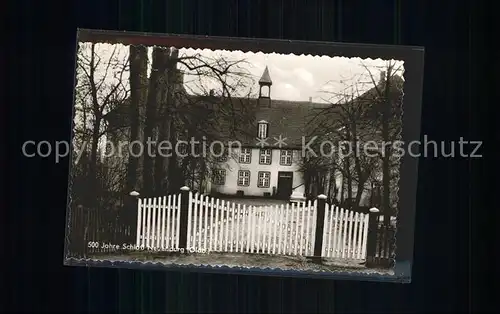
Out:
{"x": 320, "y": 220}
{"x": 132, "y": 216}
{"x": 371, "y": 241}
{"x": 183, "y": 219}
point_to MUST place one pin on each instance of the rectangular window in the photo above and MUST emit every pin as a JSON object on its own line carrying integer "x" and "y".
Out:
{"x": 245, "y": 156}
{"x": 264, "y": 179}
{"x": 262, "y": 130}
{"x": 265, "y": 157}
{"x": 219, "y": 177}
{"x": 286, "y": 158}
{"x": 244, "y": 178}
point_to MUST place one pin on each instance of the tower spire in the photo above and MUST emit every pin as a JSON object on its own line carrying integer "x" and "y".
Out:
{"x": 265, "y": 83}
{"x": 265, "y": 79}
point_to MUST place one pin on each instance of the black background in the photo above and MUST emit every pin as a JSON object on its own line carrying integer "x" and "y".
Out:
{"x": 38, "y": 55}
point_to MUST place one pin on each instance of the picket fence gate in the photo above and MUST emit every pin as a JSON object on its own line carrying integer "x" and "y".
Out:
{"x": 215, "y": 225}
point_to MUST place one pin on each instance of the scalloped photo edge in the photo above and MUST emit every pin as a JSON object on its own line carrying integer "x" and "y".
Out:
{"x": 257, "y": 204}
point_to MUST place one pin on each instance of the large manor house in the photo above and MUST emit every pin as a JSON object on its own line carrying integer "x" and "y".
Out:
{"x": 272, "y": 170}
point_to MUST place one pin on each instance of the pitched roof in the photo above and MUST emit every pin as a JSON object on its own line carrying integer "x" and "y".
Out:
{"x": 265, "y": 79}
{"x": 288, "y": 119}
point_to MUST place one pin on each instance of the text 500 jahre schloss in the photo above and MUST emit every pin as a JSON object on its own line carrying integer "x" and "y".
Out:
{"x": 133, "y": 247}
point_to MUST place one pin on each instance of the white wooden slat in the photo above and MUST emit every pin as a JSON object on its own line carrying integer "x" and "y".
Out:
{"x": 349, "y": 235}
{"x": 244, "y": 227}
{"x": 139, "y": 223}
{"x": 338, "y": 232}
{"x": 269, "y": 229}
{"x": 355, "y": 236}
{"x": 199, "y": 218}
{"x": 331, "y": 229}
{"x": 216, "y": 226}
{"x": 365, "y": 235}
{"x": 212, "y": 224}
{"x": 251, "y": 213}
{"x": 324, "y": 249}
{"x": 236, "y": 226}
{"x": 161, "y": 242}
{"x": 226, "y": 224}
{"x": 302, "y": 227}
{"x": 313, "y": 226}
{"x": 230, "y": 225}
{"x": 148, "y": 223}
{"x": 178, "y": 220}
{"x": 294, "y": 227}
{"x": 344, "y": 233}
{"x": 275, "y": 229}
{"x": 308, "y": 228}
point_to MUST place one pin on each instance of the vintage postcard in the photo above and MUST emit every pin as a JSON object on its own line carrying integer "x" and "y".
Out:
{"x": 244, "y": 156}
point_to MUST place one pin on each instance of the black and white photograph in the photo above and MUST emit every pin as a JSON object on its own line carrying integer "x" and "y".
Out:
{"x": 185, "y": 156}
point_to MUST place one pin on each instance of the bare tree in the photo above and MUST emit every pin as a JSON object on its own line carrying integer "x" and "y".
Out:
{"x": 214, "y": 114}
{"x": 100, "y": 88}
{"x": 154, "y": 98}
{"x": 174, "y": 112}
{"x": 387, "y": 100}
{"x": 343, "y": 125}
{"x": 359, "y": 113}
{"x": 138, "y": 57}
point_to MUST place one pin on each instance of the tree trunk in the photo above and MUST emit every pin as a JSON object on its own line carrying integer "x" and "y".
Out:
{"x": 307, "y": 183}
{"x": 92, "y": 174}
{"x": 342, "y": 186}
{"x": 349, "y": 178}
{"x": 165, "y": 115}
{"x": 161, "y": 161}
{"x": 175, "y": 177}
{"x": 154, "y": 96}
{"x": 360, "y": 190}
{"x": 138, "y": 93}
{"x": 357, "y": 166}
{"x": 386, "y": 179}
{"x": 329, "y": 186}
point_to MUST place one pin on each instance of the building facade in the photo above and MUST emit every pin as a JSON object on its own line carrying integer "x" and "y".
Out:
{"x": 270, "y": 166}
{"x": 269, "y": 160}
{"x": 263, "y": 172}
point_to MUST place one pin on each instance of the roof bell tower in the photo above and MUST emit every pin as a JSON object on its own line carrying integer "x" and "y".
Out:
{"x": 265, "y": 83}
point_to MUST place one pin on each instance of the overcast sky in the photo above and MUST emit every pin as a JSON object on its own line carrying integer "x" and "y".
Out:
{"x": 294, "y": 77}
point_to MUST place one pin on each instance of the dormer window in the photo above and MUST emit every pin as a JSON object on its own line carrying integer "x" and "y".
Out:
{"x": 262, "y": 130}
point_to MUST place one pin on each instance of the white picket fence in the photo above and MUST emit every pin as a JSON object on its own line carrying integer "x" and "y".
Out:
{"x": 216, "y": 225}
{"x": 224, "y": 226}
{"x": 345, "y": 233}
{"x": 158, "y": 222}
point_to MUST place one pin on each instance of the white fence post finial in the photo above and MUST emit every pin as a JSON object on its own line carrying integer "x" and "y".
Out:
{"x": 374, "y": 210}
{"x": 322, "y": 197}
{"x": 134, "y": 193}
{"x": 185, "y": 188}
